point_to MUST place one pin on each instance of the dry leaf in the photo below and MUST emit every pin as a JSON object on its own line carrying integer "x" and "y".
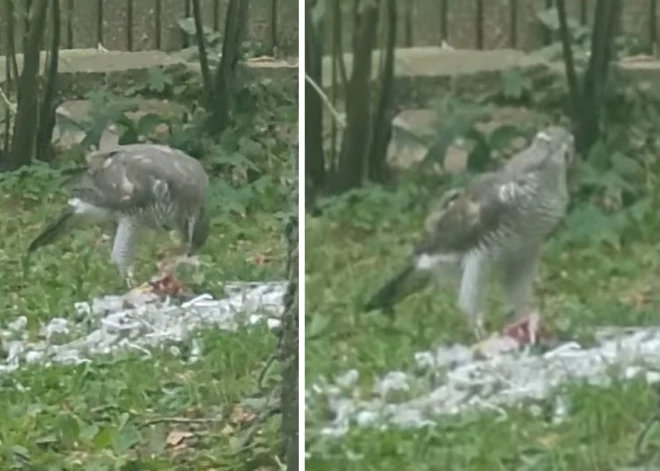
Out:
{"x": 240, "y": 416}
{"x": 549, "y": 440}
{"x": 639, "y": 298}
{"x": 227, "y": 430}
{"x": 176, "y": 437}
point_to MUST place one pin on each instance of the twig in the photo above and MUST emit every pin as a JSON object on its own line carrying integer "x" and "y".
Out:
{"x": 325, "y": 100}
{"x": 178, "y": 420}
{"x": 5, "y": 98}
{"x": 255, "y": 424}
{"x": 262, "y": 375}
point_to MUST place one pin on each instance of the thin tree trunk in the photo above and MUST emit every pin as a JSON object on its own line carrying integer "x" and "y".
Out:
{"x": 26, "y": 114}
{"x": 48, "y": 104}
{"x": 203, "y": 57}
{"x": 314, "y": 156}
{"x": 10, "y": 61}
{"x": 235, "y": 21}
{"x": 586, "y": 100}
{"x": 382, "y": 125}
{"x": 595, "y": 76}
{"x": 357, "y": 136}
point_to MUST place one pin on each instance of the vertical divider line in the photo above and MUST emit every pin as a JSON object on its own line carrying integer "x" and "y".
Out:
{"x": 69, "y": 24}
{"x": 653, "y": 26}
{"x": 513, "y": 20}
{"x": 99, "y": 22}
{"x": 129, "y": 26}
{"x": 444, "y": 26}
{"x": 185, "y": 40}
{"x": 480, "y": 24}
{"x": 159, "y": 28}
{"x": 273, "y": 27}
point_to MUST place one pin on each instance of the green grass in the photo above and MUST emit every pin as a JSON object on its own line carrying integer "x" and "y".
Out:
{"x": 356, "y": 246}
{"x": 125, "y": 412}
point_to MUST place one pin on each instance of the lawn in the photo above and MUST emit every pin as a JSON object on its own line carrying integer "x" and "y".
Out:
{"x": 129, "y": 410}
{"x": 361, "y": 241}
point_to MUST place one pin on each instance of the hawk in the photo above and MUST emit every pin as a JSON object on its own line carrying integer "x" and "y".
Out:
{"x": 499, "y": 219}
{"x": 137, "y": 186}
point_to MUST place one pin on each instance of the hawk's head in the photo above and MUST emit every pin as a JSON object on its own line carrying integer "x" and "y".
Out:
{"x": 558, "y": 144}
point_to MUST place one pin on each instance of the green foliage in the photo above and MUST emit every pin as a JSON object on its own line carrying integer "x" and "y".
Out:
{"x": 459, "y": 119}
{"x": 213, "y": 41}
{"x": 374, "y": 206}
{"x": 515, "y": 85}
{"x": 580, "y": 38}
{"x": 107, "y": 109}
{"x": 31, "y": 182}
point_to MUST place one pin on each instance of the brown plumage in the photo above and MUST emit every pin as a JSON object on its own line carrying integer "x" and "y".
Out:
{"x": 501, "y": 217}
{"x": 137, "y": 185}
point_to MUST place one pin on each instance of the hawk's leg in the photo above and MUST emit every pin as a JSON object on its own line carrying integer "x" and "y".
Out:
{"x": 518, "y": 274}
{"x": 519, "y": 270}
{"x": 122, "y": 250}
{"x": 472, "y": 292}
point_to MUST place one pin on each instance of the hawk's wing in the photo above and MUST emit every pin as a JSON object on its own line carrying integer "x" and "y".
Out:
{"x": 465, "y": 219}
{"x": 473, "y": 214}
{"x": 134, "y": 176}
{"x": 128, "y": 178}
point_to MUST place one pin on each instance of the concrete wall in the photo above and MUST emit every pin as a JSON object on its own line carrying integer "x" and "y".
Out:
{"x": 495, "y": 24}
{"x": 152, "y": 24}
{"x": 465, "y": 24}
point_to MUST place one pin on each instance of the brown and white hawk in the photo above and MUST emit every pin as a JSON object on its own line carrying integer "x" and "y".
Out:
{"x": 137, "y": 186}
{"x": 498, "y": 219}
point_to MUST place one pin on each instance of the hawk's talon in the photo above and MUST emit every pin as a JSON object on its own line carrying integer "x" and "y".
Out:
{"x": 129, "y": 279}
{"x": 478, "y": 329}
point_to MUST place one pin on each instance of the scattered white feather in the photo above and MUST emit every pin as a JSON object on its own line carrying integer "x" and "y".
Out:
{"x": 429, "y": 262}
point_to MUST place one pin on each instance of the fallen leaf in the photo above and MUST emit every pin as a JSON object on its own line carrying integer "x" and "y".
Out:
{"x": 549, "y": 440}
{"x": 260, "y": 259}
{"x": 176, "y": 437}
{"x": 240, "y": 416}
{"x": 639, "y": 298}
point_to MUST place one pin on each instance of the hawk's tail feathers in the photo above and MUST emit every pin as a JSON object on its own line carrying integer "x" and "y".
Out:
{"x": 407, "y": 282}
{"x": 60, "y": 226}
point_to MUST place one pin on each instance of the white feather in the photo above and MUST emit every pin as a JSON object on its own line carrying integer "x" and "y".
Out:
{"x": 431, "y": 262}
{"x": 83, "y": 207}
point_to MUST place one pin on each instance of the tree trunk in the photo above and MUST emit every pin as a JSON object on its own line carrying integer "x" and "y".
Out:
{"x": 203, "y": 57}
{"x": 10, "y": 75}
{"x": 289, "y": 348}
{"x": 357, "y": 135}
{"x": 48, "y": 103}
{"x": 382, "y": 125}
{"x": 595, "y": 76}
{"x": 587, "y": 99}
{"x": 314, "y": 156}
{"x": 235, "y": 21}
{"x": 26, "y": 113}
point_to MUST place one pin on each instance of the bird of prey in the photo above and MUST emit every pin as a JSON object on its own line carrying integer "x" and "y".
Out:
{"x": 499, "y": 219}
{"x": 137, "y": 186}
